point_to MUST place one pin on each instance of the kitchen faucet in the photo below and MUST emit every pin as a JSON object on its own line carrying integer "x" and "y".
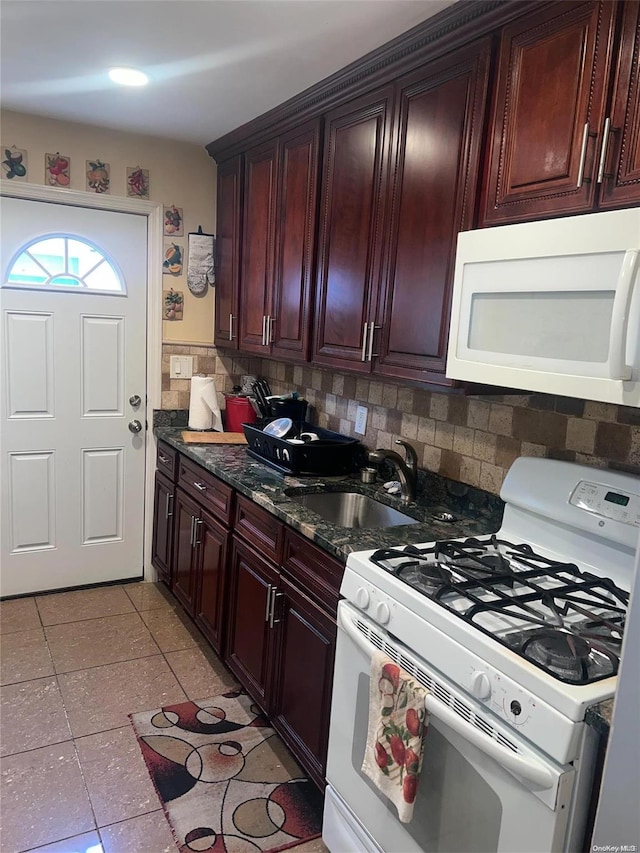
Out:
{"x": 407, "y": 470}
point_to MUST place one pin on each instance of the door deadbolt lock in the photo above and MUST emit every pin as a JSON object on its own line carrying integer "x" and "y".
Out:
{"x": 135, "y": 426}
{"x": 135, "y": 400}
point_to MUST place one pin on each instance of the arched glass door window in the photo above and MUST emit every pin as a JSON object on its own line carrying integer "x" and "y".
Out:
{"x": 63, "y": 262}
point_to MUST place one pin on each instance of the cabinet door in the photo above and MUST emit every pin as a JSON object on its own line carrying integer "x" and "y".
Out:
{"x": 438, "y": 129}
{"x": 162, "y": 527}
{"x": 295, "y": 242}
{"x": 548, "y": 112}
{"x": 355, "y": 172}
{"x": 184, "y": 578}
{"x": 621, "y": 154}
{"x": 257, "y": 245}
{"x": 229, "y": 216}
{"x": 303, "y": 677}
{"x": 252, "y": 581}
{"x": 212, "y": 539}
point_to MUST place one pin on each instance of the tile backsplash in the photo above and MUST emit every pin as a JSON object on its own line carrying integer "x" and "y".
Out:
{"x": 470, "y": 439}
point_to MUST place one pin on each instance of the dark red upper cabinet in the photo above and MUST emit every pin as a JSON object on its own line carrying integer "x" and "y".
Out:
{"x": 290, "y": 311}
{"x": 258, "y": 236}
{"x": 437, "y": 142}
{"x": 355, "y": 174}
{"x": 619, "y": 164}
{"x": 229, "y": 217}
{"x": 549, "y": 112}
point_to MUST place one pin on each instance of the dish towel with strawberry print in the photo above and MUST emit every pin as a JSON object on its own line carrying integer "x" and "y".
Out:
{"x": 397, "y": 725}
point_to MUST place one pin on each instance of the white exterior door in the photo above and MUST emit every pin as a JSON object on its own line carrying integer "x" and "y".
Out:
{"x": 74, "y": 296}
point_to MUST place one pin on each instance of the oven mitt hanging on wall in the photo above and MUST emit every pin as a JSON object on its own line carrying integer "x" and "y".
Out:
{"x": 200, "y": 270}
{"x": 395, "y": 737}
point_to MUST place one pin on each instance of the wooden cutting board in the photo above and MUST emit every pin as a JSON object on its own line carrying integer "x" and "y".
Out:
{"x": 190, "y": 437}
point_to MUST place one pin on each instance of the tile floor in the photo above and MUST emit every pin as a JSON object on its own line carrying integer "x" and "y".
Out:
{"x": 73, "y": 666}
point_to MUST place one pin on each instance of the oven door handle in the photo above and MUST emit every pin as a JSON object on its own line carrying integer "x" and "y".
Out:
{"x": 526, "y": 767}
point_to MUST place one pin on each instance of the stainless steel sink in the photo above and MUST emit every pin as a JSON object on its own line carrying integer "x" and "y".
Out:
{"x": 351, "y": 509}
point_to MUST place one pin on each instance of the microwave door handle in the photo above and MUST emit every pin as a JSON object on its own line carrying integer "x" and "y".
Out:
{"x": 618, "y": 369}
{"x": 525, "y": 767}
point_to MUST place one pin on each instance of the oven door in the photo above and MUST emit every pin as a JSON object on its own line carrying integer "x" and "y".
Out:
{"x": 482, "y": 787}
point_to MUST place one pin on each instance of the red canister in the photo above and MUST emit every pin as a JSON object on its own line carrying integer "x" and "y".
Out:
{"x": 238, "y": 412}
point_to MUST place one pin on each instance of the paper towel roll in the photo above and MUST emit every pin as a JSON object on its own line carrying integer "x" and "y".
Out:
{"x": 204, "y": 411}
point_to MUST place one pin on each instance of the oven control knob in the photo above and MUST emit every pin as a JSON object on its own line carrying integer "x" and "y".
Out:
{"x": 480, "y": 685}
{"x": 362, "y": 598}
{"x": 383, "y": 614}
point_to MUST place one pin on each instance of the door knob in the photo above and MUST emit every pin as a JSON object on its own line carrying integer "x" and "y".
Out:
{"x": 135, "y": 400}
{"x": 135, "y": 426}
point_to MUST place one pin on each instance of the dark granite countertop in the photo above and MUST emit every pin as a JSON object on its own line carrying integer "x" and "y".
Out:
{"x": 476, "y": 512}
{"x": 599, "y": 716}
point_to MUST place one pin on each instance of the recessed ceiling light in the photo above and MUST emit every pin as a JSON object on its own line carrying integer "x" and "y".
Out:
{"x": 128, "y": 76}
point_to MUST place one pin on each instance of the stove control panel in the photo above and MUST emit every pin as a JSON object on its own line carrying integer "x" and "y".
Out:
{"x": 620, "y": 506}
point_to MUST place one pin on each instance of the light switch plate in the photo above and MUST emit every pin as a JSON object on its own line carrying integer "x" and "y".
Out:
{"x": 180, "y": 366}
{"x": 361, "y": 420}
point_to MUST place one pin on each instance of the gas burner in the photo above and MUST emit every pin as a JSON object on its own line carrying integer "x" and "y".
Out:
{"x": 560, "y": 652}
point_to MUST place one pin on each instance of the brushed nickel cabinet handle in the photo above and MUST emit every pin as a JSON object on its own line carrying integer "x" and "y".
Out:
{"x": 271, "y": 321}
{"x": 272, "y": 620}
{"x": 200, "y": 486}
{"x": 193, "y": 527}
{"x": 169, "y": 506}
{"x": 163, "y": 459}
{"x": 583, "y": 155}
{"x": 603, "y": 149}
{"x": 268, "y": 607}
{"x": 364, "y": 342}
{"x": 196, "y": 528}
{"x": 264, "y": 330}
{"x": 370, "y": 352}
{"x": 230, "y": 327}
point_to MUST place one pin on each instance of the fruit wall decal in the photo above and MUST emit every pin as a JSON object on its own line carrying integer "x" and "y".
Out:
{"x": 98, "y": 176}
{"x": 173, "y": 221}
{"x": 172, "y": 264}
{"x": 14, "y": 163}
{"x": 57, "y": 170}
{"x": 173, "y": 304}
{"x": 137, "y": 182}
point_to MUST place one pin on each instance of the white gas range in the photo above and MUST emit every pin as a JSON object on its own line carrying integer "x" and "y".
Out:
{"x": 514, "y": 636}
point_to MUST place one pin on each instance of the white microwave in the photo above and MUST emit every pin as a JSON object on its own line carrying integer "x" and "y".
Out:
{"x": 550, "y": 306}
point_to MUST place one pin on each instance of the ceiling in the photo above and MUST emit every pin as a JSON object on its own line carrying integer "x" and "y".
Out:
{"x": 213, "y": 64}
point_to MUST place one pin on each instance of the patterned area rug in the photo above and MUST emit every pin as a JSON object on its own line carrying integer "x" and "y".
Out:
{"x": 226, "y": 780}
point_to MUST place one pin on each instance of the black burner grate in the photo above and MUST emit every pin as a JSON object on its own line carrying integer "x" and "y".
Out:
{"x": 564, "y": 608}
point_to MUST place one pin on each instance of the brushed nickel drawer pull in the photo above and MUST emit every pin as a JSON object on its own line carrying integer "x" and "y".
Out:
{"x": 163, "y": 459}
{"x": 200, "y": 486}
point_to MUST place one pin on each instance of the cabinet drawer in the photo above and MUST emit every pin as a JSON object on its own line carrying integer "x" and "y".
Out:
{"x": 167, "y": 460}
{"x": 315, "y": 570}
{"x": 260, "y": 528}
{"x": 208, "y": 490}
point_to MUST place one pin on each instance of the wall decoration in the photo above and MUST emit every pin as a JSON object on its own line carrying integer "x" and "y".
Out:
{"x": 137, "y": 182}
{"x": 173, "y": 301}
{"x": 98, "y": 176}
{"x": 173, "y": 222}
{"x": 57, "y": 170}
{"x": 14, "y": 163}
{"x": 172, "y": 264}
{"x": 200, "y": 264}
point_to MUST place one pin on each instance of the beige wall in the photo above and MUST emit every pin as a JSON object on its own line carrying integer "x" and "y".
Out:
{"x": 179, "y": 173}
